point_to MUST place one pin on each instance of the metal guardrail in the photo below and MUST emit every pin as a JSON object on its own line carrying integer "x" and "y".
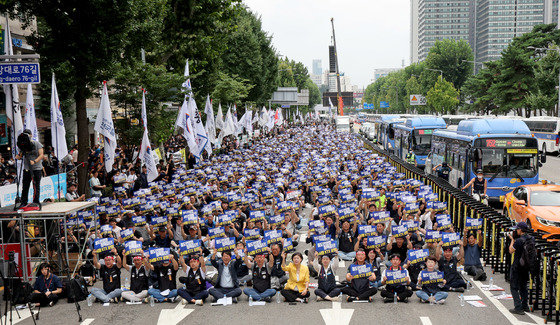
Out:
{"x": 544, "y": 288}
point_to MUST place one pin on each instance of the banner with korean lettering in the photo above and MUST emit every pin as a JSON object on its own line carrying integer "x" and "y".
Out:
{"x": 288, "y": 245}
{"x": 132, "y": 247}
{"x": 432, "y": 236}
{"x": 216, "y": 232}
{"x": 252, "y": 234}
{"x": 256, "y": 247}
{"x": 190, "y": 217}
{"x": 417, "y": 255}
{"x": 360, "y": 271}
{"x": 103, "y": 244}
{"x": 380, "y": 216}
{"x": 473, "y": 223}
{"x": 273, "y": 236}
{"x": 367, "y": 230}
{"x": 376, "y": 242}
{"x": 428, "y": 277}
{"x": 158, "y": 254}
{"x": 225, "y": 244}
{"x": 396, "y": 276}
{"x": 450, "y": 238}
{"x": 325, "y": 247}
{"x": 190, "y": 246}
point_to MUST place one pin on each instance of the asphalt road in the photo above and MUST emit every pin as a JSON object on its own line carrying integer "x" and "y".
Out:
{"x": 412, "y": 312}
{"x": 549, "y": 170}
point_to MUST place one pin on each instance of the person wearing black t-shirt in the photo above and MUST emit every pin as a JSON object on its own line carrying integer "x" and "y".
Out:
{"x": 167, "y": 280}
{"x": 448, "y": 264}
{"x": 346, "y": 241}
{"x": 278, "y": 276}
{"x": 138, "y": 279}
{"x": 195, "y": 284}
{"x": 359, "y": 288}
{"x": 111, "y": 275}
{"x": 399, "y": 246}
{"x": 260, "y": 271}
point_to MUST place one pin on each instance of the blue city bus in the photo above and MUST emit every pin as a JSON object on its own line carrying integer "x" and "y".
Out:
{"x": 387, "y": 131}
{"x": 504, "y": 149}
{"x": 379, "y": 128}
{"x": 415, "y": 135}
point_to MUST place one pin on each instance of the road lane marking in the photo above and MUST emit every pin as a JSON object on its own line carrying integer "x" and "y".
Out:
{"x": 173, "y": 316}
{"x": 501, "y": 308}
{"x": 87, "y": 321}
{"x": 425, "y": 320}
{"x": 336, "y": 315}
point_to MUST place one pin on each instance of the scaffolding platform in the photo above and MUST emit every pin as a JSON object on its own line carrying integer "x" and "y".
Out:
{"x": 41, "y": 236}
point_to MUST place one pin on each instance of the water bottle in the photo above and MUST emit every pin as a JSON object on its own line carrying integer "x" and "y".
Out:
{"x": 250, "y": 301}
{"x": 90, "y": 300}
{"x": 490, "y": 283}
{"x": 431, "y": 299}
{"x": 462, "y": 299}
{"x": 395, "y": 298}
{"x": 126, "y": 284}
{"x": 469, "y": 285}
{"x": 152, "y": 301}
{"x": 278, "y": 299}
{"x": 340, "y": 296}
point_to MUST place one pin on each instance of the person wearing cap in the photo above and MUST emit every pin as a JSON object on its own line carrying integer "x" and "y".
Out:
{"x": 479, "y": 185}
{"x": 164, "y": 236}
{"x": 167, "y": 280}
{"x": 138, "y": 279}
{"x": 260, "y": 271}
{"x": 473, "y": 252}
{"x": 72, "y": 194}
{"x": 430, "y": 292}
{"x": 228, "y": 283}
{"x": 400, "y": 289}
{"x": 327, "y": 266}
{"x": 360, "y": 288}
{"x": 442, "y": 170}
{"x": 519, "y": 275}
{"x": 195, "y": 284}
{"x": 110, "y": 273}
{"x": 448, "y": 264}
{"x": 46, "y": 288}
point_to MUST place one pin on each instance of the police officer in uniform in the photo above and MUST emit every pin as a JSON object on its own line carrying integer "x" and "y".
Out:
{"x": 261, "y": 278}
{"x": 195, "y": 284}
{"x": 443, "y": 170}
{"x": 411, "y": 158}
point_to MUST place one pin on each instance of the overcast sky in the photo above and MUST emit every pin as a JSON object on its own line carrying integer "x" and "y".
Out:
{"x": 370, "y": 34}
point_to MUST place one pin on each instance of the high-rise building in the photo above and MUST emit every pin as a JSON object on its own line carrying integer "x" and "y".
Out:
{"x": 498, "y": 22}
{"x": 378, "y": 73}
{"x": 487, "y": 25}
{"x": 439, "y": 19}
{"x": 317, "y": 68}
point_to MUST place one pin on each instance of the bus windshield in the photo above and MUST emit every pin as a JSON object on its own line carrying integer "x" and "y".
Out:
{"x": 421, "y": 144}
{"x": 509, "y": 162}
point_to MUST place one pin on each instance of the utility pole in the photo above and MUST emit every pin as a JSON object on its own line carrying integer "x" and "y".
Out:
{"x": 339, "y": 96}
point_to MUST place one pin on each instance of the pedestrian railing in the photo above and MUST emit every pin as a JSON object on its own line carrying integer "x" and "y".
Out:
{"x": 544, "y": 287}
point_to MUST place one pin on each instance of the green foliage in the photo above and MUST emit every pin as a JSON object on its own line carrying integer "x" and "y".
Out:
{"x": 314, "y": 93}
{"x": 443, "y": 97}
{"x": 231, "y": 89}
{"x": 447, "y": 55}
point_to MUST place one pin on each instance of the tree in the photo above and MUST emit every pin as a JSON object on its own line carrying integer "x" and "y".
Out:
{"x": 476, "y": 90}
{"x": 80, "y": 41}
{"x": 231, "y": 89}
{"x": 447, "y": 55}
{"x": 260, "y": 68}
{"x": 314, "y": 93}
{"x": 443, "y": 97}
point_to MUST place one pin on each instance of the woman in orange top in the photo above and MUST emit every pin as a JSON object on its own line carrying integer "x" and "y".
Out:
{"x": 297, "y": 287}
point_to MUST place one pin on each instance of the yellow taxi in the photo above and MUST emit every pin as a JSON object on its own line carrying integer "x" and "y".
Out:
{"x": 538, "y": 205}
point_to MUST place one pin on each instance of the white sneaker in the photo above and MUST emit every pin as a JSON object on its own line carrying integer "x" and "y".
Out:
{"x": 334, "y": 298}
{"x": 299, "y": 300}
{"x": 199, "y": 302}
{"x": 184, "y": 301}
{"x": 440, "y": 302}
{"x": 319, "y": 298}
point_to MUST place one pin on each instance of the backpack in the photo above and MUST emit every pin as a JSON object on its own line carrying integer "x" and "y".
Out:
{"x": 528, "y": 259}
{"x": 21, "y": 292}
{"x": 77, "y": 289}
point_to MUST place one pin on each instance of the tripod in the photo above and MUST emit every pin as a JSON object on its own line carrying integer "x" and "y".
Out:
{"x": 66, "y": 270}
{"x": 8, "y": 296}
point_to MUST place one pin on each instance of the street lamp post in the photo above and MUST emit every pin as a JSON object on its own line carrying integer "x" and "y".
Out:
{"x": 474, "y": 65}
{"x": 557, "y": 51}
{"x": 437, "y": 70}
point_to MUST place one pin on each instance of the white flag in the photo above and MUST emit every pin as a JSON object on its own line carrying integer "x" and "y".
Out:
{"x": 13, "y": 110}
{"x": 185, "y": 123}
{"x": 229, "y": 126}
{"x": 104, "y": 126}
{"x": 210, "y": 126}
{"x": 330, "y": 106}
{"x": 30, "y": 121}
{"x": 145, "y": 149}
{"x": 220, "y": 118}
{"x": 248, "y": 123}
{"x": 58, "y": 132}
{"x": 235, "y": 121}
{"x": 200, "y": 132}
{"x": 270, "y": 121}
{"x": 263, "y": 120}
